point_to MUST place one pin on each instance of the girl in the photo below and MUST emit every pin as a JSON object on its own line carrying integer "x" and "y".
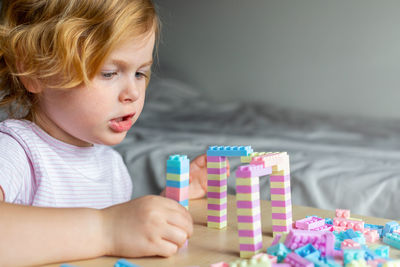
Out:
{"x": 73, "y": 77}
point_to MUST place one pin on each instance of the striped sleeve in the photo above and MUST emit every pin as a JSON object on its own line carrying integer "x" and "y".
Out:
{"x": 15, "y": 171}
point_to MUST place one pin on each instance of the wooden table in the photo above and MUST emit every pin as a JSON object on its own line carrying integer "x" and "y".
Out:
{"x": 209, "y": 246}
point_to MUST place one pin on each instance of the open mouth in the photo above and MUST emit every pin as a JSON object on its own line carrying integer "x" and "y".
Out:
{"x": 121, "y": 124}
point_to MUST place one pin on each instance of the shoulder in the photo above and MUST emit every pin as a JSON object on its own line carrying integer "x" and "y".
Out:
{"x": 10, "y": 138}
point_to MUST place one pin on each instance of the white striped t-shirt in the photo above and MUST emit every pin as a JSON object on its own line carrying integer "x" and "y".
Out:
{"x": 39, "y": 170}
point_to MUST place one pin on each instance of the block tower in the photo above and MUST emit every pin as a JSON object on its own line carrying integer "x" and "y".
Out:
{"x": 178, "y": 179}
{"x": 217, "y": 182}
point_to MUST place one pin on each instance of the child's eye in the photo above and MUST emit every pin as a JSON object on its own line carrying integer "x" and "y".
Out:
{"x": 108, "y": 74}
{"x": 140, "y": 75}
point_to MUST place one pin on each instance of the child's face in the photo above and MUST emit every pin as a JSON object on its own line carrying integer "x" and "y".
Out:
{"x": 102, "y": 112}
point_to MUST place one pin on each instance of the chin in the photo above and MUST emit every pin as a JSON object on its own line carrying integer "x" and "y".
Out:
{"x": 114, "y": 140}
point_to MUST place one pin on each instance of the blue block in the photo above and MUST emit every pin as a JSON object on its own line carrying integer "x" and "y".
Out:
{"x": 349, "y": 234}
{"x": 279, "y": 250}
{"x": 382, "y": 251}
{"x": 379, "y": 228}
{"x": 233, "y": 151}
{"x": 178, "y": 170}
{"x": 124, "y": 263}
{"x": 184, "y": 202}
{"x": 389, "y": 227}
{"x": 392, "y": 240}
{"x": 177, "y": 161}
{"x": 308, "y": 250}
{"x": 178, "y": 184}
{"x": 329, "y": 221}
{"x": 353, "y": 254}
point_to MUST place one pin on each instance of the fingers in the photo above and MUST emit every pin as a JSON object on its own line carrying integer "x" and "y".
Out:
{"x": 182, "y": 221}
{"x": 167, "y": 248}
{"x": 175, "y": 235}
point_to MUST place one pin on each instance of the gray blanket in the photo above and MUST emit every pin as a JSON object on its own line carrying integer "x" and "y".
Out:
{"x": 336, "y": 162}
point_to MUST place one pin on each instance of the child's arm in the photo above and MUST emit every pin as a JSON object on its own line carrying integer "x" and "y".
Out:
{"x": 145, "y": 226}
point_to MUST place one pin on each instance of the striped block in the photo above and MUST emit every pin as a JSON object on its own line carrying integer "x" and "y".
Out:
{"x": 252, "y": 171}
{"x": 250, "y": 240}
{"x": 247, "y": 204}
{"x": 218, "y": 213}
{"x": 250, "y": 233}
{"x": 217, "y": 225}
{"x": 251, "y": 247}
{"x": 217, "y": 165}
{"x": 282, "y": 216}
{"x": 248, "y": 212}
{"x": 278, "y": 172}
{"x": 249, "y": 254}
{"x": 216, "y": 194}
{"x": 216, "y": 159}
{"x": 282, "y": 209}
{"x": 280, "y": 184}
{"x": 217, "y": 201}
{"x": 217, "y": 182}
{"x": 249, "y": 226}
{"x": 219, "y": 219}
{"x": 178, "y": 170}
{"x": 177, "y": 177}
{"x": 248, "y": 181}
{"x": 217, "y": 177}
{"x": 278, "y": 228}
{"x": 248, "y": 197}
{"x": 178, "y": 194}
{"x": 280, "y": 191}
{"x": 218, "y": 189}
{"x": 248, "y": 218}
{"x": 216, "y": 170}
{"x": 279, "y": 203}
{"x": 247, "y": 189}
{"x": 217, "y": 206}
{"x": 282, "y": 222}
{"x": 281, "y": 197}
{"x": 178, "y": 184}
{"x": 279, "y": 178}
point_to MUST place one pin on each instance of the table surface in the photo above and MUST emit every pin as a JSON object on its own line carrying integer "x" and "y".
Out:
{"x": 208, "y": 246}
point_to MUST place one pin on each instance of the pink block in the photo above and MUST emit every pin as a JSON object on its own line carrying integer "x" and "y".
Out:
{"x": 280, "y": 191}
{"x": 217, "y": 182}
{"x": 248, "y": 171}
{"x": 278, "y": 228}
{"x": 340, "y": 213}
{"x": 282, "y": 216}
{"x": 249, "y": 219}
{"x": 216, "y": 195}
{"x": 247, "y": 188}
{"x": 349, "y": 244}
{"x": 178, "y": 194}
{"x": 324, "y": 241}
{"x": 250, "y": 233}
{"x": 216, "y": 218}
{"x": 247, "y": 204}
{"x": 216, "y": 170}
{"x": 217, "y": 207}
{"x": 283, "y": 178}
{"x": 276, "y": 240}
{"x": 348, "y": 224}
{"x": 216, "y": 159}
{"x": 310, "y": 223}
{"x": 278, "y": 203}
{"x": 250, "y": 247}
{"x": 296, "y": 260}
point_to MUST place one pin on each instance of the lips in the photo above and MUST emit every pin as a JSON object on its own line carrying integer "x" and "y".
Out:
{"x": 121, "y": 124}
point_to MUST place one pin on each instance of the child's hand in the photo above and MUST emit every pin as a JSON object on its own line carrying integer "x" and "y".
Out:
{"x": 146, "y": 226}
{"x": 198, "y": 176}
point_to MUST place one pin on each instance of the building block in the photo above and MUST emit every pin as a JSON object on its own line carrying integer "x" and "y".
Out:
{"x": 229, "y": 151}
{"x": 260, "y": 261}
{"x": 279, "y": 250}
{"x": 380, "y": 250}
{"x": 252, "y": 171}
{"x": 295, "y": 260}
{"x": 348, "y": 224}
{"x": 323, "y": 241}
{"x": 392, "y": 240}
{"x": 308, "y": 250}
{"x": 340, "y": 213}
{"x": 124, "y": 263}
{"x": 349, "y": 243}
{"x": 390, "y": 227}
{"x": 357, "y": 263}
{"x": 178, "y": 194}
{"x": 178, "y": 184}
{"x": 353, "y": 254}
{"x": 310, "y": 223}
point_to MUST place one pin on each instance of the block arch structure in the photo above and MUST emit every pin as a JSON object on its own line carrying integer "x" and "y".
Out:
{"x": 275, "y": 164}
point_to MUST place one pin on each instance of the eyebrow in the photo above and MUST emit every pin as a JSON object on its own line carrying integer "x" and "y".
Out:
{"x": 124, "y": 63}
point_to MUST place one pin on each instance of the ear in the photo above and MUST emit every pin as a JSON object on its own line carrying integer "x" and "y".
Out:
{"x": 31, "y": 85}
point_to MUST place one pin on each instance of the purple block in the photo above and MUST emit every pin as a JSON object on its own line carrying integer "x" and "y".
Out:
{"x": 216, "y": 159}
{"x": 247, "y": 204}
{"x": 247, "y": 188}
{"x": 296, "y": 260}
{"x": 281, "y": 265}
{"x": 216, "y": 170}
{"x": 282, "y": 216}
{"x": 280, "y": 191}
{"x": 217, "y": 182}
{"x": 216, "y": 206}
{"x": 251, "y": 247}
{"x": 323, "y": 241}
{"x": 278, "y": 228}
{"x": 248, "y": 219}
{"x": 216, "y": 194}
{"x": 216, "y": 218}
{"x": 282, "y": 178}
{"x": 248, "y": 171}
{"x": 250, "y": 233}
{"x": 279, "y": 203}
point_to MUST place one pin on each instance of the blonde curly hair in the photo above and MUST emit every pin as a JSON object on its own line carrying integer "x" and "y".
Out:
{"x": 62, "y": 43}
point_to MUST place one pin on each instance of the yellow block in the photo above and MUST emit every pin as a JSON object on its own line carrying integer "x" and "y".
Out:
{"x": 217, "y": 165}
{"x": 281, "y": 222}
{"x": 216, "y": 225}
{"x": 281, "y": 209}
{"x": 250, "y": 240}
{"x": 248, "y": 181}
{"x": 177, "y": 177}
{"x": 281, "y": 197}
{"x": 282, "y": 234}
{"x": 216, "y": 176}
{"x": 280, "y": 184}
{"x": 217, "y": 189}
{"x": 249, "y": 226}
{"x": 277, "y": 172}
{"x": 249, "y": 254}
{"x": 248, "y": 197}
{"x": 248, "y": 212}
{"x": 216, "y": 200}
{"x": 217, "y": 212}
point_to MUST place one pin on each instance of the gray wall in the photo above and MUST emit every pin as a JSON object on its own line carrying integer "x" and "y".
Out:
{"x": 338, "y": 56}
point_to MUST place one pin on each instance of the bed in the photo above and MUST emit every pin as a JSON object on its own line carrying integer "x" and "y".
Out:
{"x": 336, "y": 162}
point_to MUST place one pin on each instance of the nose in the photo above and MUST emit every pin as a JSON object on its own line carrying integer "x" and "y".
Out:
{"x": 130, "y": 92}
